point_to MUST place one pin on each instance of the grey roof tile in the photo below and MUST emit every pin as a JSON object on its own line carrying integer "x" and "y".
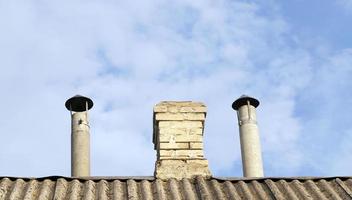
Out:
{"x": 135, "y": 188}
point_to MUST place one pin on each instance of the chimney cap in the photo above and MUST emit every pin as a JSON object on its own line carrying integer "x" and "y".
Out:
{"x": 243, "y": 101}
{"x": 77, "y": 103}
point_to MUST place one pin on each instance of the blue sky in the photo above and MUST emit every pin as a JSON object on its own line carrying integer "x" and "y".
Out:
{"x": 294, "y": 56}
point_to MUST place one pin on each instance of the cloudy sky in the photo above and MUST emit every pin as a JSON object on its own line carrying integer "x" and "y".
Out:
{"x": 295, "y": 56}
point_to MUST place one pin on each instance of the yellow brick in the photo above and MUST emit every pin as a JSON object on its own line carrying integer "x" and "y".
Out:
{"x": 172, "y": 131}
{"x": 180, "y": 106}
{"x": 178, "y": 124}
{"x": 173, "y": 109}
{"x": 179, "y": 145}
{"x": 197, "y": 162}
{"x": 180, "y": 131}
{"x": 175, "y": 158}
{"x": 179, "y": 116}
{"x": 178, "y": 109}
{"x": 167, "y": 153}
{"x": 196, "y": 109}
{"x": 196, "y": 145}
{"x": 189, "y": 153}
{"x": 160, "y": 108}
{"x": 181, "y": 154}
{"x": 180, "y": 138}
{"x": 196, "y": 131}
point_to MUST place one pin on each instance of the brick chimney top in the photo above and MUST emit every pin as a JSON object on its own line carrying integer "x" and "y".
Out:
{"x": 178, "y": 139}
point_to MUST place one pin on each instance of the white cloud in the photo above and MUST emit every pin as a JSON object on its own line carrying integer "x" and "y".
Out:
{"x": 325, "y": 107}
{"x": 338, "y": 164}
{"x": 345, "y": 4}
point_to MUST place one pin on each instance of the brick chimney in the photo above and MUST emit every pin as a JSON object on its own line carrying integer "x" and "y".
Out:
{"x": 178, "y": 140}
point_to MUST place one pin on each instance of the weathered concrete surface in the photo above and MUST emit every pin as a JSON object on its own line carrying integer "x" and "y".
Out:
{"x": 180, "y": 169}
{"x": 250, "y": 143}
{"x": 180, "y": 107}
{"x": 178, "y": 140}
{"x": 147, "y": 188}
{"x": 80, "y": 145}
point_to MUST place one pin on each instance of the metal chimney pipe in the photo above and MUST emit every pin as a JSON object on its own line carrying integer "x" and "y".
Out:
{"x": 249, "y": 136}
{"x": 80, "y": 142}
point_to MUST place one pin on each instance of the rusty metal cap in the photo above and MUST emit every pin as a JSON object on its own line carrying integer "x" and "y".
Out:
{"x": 78, "y": 103}
{"x": 243, "y": 101}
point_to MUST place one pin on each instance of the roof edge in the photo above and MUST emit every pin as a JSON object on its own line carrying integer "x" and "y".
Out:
{"x": 151, "y": 178}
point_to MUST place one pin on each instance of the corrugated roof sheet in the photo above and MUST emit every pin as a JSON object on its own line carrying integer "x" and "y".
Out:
{"x": 148, "y": 188}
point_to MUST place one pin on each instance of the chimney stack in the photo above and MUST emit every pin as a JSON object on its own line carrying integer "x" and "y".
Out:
{"x": 249, "y": 136}
{"x": 80, "y": 144}
{"x": 178, "y": 140}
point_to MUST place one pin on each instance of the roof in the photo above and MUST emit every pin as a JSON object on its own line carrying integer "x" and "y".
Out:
{"x": 115, "y": 188}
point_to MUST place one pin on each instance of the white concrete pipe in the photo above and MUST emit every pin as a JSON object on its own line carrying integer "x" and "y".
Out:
{"x": 249, "y": 136}
{"x": 80, "y": 136}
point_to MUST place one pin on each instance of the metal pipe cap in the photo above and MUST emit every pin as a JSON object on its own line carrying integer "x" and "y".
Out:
{"x": 243, "y": 101}
{"x": 78, "y": 103}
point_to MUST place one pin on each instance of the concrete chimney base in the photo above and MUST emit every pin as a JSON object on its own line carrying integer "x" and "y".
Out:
{"x": 179, "y": 169}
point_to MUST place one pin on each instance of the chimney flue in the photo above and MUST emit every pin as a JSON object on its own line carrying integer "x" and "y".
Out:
{"x": 80, "y": 144}
{"x": 249, "y": 136}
